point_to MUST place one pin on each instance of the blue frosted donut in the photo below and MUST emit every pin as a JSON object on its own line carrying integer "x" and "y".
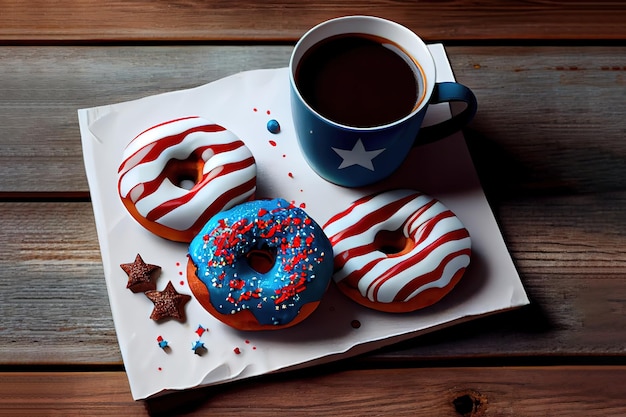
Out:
{"x": 261, "y": 265}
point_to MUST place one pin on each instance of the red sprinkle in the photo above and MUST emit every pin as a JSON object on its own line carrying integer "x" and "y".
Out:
{"x": 237, "y": 350}
{"x": 272, "y": 142}
{"x": 200, "y": 331}
{"x": 290, "y": 175}
{"x": 236, "y": 284}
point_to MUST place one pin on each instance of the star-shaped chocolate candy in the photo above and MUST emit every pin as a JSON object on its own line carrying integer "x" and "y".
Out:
{"x": 140, "y": 275}
{"x": 168, "y": 303}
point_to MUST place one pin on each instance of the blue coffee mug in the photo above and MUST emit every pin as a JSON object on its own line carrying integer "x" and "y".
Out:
{"x": 357, "y": 156}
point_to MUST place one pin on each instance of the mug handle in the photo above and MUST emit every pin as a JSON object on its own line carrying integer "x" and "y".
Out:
{"x": 446, "y": 92}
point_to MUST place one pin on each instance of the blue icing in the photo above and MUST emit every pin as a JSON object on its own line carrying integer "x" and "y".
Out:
{"x": 274, "y": 294}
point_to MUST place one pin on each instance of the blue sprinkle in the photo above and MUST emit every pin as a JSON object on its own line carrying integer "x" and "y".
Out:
{"x": 197, "y": 346}
{"x": 273, "y": 126}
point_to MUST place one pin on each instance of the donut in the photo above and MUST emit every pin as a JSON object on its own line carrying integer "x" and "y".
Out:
{"x": 176, "y": 175}
{"x": 261, "y": 265}
{"x": 398, "y": 251}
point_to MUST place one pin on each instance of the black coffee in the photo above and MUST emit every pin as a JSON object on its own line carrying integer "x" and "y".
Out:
{"x": 359, "y": 80}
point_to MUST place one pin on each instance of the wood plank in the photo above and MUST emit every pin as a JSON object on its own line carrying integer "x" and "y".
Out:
{"x": 92, "y": 20}
{"x": 553, "y": 391}
{"x": 539, "y": 109}
{"x": 53, "y": 297}
{"x": 568, "y": 250}
{"x": 39, "y": 135}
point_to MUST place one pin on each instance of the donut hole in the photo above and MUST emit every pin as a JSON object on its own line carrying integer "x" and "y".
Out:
{"x": 184, "y": 173}
{"x": 393, "y": 242}
{"x": 262, "y": 260}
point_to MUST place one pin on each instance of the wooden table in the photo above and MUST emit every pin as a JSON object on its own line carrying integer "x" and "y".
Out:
{"x": 548, "y": 143}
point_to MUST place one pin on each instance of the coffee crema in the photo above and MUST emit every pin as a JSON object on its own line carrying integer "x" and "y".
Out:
{"x": 359, "y": 80}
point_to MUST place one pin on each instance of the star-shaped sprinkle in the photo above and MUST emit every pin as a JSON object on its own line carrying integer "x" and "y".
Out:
{"x": 357, "y": 156}
{"x": 168, "y": 303}
{"x": 141, "y": 276}
{"x": 198, "y": 347}
{"x": 200, "y": 330}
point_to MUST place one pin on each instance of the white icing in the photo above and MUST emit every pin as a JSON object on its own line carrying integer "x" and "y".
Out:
{"x": 451, "y": 269}
{"x": 184, "y": 216}
{"x": 148, "y": 171}
{"x": 135, "y": 175}
{"x": 153, "y": 134}
{"x": 377, "y": 284}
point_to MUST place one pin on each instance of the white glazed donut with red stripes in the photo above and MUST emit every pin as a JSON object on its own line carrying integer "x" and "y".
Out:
{"x": 398, "y": 250}
{"x": 176, "y": 175}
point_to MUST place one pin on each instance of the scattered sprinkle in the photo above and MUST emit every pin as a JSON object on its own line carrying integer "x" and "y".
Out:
{"x": 200, "y": 330}
{"x": 237, "y": 351}
{"x": 162, "y": 343}
{"x": 355, "y": 324}
{"x": 198, "y": 347}
{"x": 273, "y": 126}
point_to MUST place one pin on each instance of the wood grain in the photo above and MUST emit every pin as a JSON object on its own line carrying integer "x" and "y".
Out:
{"x": 193, "y": 20}
{"x": 550, "y": 119}
{"x": 53, "y": 297}
{"x": 530, "y": 391}
{"x": 49, "y": 85}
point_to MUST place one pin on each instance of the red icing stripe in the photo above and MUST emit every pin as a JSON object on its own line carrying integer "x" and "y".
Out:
{"x": 414, "y": 260}
{"x": 378, "y": 216}
{"x": 343, "y": 257}
{"x": 434, "y": 275}
{"x": 348, "y": 210}
{"x": 170, "y": 205}
{"x": 158, "y": 146}
{"x": 150, "y": 187}
{"x": 221, "y": 202}
{"x": 419, "y": 235}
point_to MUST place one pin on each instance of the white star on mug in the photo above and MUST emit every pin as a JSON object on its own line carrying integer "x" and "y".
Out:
{"x": 357, "y": 156}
